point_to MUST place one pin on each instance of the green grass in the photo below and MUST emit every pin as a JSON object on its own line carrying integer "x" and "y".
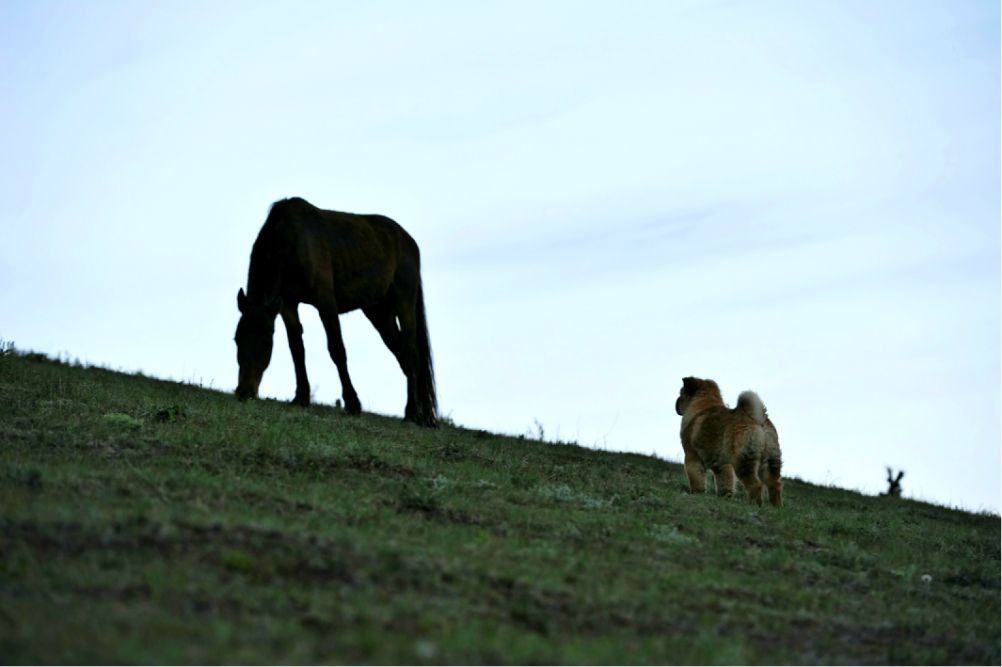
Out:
{"x": 144, "y": 521}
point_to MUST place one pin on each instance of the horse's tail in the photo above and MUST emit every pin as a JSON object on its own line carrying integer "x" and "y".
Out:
{"x": 426, "y": 370}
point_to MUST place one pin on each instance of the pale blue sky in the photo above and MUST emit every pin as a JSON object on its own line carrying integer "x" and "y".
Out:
{"x": 801, "y": 198}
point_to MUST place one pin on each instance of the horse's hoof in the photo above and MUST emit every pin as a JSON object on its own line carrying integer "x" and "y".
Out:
{"x": 421, "y": 420}
{"x": 301, "y": 402}
{"x": 353, "y": 408}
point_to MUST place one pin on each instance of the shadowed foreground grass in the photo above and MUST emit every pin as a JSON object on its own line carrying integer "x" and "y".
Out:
{"x": 144, "y": 521}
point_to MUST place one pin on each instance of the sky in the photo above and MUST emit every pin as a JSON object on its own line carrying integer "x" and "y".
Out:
{"x": 800, "y": 198}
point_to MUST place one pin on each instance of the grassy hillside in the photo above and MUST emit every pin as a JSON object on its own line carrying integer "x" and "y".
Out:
{"x": 147, "y": 521}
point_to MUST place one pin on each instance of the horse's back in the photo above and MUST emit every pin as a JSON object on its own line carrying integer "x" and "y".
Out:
{"x": 298, "y": 217}
{"x": 358, "y": 256}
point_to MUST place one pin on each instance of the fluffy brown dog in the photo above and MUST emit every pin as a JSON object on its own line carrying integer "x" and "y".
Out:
{"x": 741, "y": 441}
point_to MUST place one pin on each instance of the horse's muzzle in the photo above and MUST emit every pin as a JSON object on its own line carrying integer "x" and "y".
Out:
{"x": 243, "y": 393}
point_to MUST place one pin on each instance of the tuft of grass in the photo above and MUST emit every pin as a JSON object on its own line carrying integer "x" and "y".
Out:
{"x": 565, "y": 494}
{"x": 672, "y": 535}
{"x": 144, "y": 521}
{"x": 123, "y": 420}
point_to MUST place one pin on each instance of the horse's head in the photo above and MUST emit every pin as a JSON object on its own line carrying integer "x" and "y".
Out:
{"x": 255, "y": 331}
{"x": 894, "y": 484}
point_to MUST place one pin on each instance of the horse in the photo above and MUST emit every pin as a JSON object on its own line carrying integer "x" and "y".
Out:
{"x": 336, "y": 262}
{"x": 893, "y": 484}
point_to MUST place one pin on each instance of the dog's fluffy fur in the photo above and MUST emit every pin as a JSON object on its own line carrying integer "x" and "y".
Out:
{"x": 741, "y": 442}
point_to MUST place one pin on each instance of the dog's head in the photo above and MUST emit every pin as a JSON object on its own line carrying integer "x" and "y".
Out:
{"x": 693, "y": 388}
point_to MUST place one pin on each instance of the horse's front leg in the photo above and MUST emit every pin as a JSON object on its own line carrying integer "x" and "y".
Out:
{"x": 335, "y": 345}
{"x": 294, "y": 329}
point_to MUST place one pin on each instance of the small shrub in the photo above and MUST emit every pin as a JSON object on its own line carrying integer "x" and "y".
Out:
{"x": 413, "y": 500}
{"x": 565, "y": 494}
{"x": 672, "y": 535}
{"x": 236, "y": 560}
{"x": 168, "y": 413}
{"x": 122, "y": 419}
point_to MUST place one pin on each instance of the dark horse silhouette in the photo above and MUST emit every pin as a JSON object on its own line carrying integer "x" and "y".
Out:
{"x": 336, "y": 262}
{"x": 893, "y": 484}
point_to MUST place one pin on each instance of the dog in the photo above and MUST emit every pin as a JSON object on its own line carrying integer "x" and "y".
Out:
{"x": 739, "y": 442}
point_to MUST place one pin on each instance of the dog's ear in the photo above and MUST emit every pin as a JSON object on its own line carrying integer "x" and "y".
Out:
{"x": 690, "y": 385}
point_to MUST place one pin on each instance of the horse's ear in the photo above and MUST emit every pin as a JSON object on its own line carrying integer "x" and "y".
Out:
{"x": 900, "y": 475}
{"x": 241, "y": 299}
{"x": 690, "y": 385}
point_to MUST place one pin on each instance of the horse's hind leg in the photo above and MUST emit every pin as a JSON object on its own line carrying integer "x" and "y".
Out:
{"x": 335, "y": 345}
{"x": 404, "y": 307}
{"x": 294, "y": 329}
{"x": 384, "y": 319}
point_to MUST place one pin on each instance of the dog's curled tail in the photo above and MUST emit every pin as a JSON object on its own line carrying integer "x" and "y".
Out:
{"x": 751, "y": 404}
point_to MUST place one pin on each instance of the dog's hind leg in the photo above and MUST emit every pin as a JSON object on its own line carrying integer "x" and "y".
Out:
{"x": 696, "y": 472}
{"x": 770, "y": 473}
{"x": 725, "y": 480}
{"x": 747, "y": 471}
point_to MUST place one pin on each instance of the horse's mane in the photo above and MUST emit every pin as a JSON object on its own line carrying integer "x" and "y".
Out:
{"x": 268, "y": 256}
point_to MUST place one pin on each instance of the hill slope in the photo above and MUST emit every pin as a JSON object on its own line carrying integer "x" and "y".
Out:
{"x": 147, "y": 521}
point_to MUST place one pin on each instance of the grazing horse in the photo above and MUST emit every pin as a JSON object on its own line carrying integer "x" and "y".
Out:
{"x": 893, "y": 484}
{"x": 336, "y": 262}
